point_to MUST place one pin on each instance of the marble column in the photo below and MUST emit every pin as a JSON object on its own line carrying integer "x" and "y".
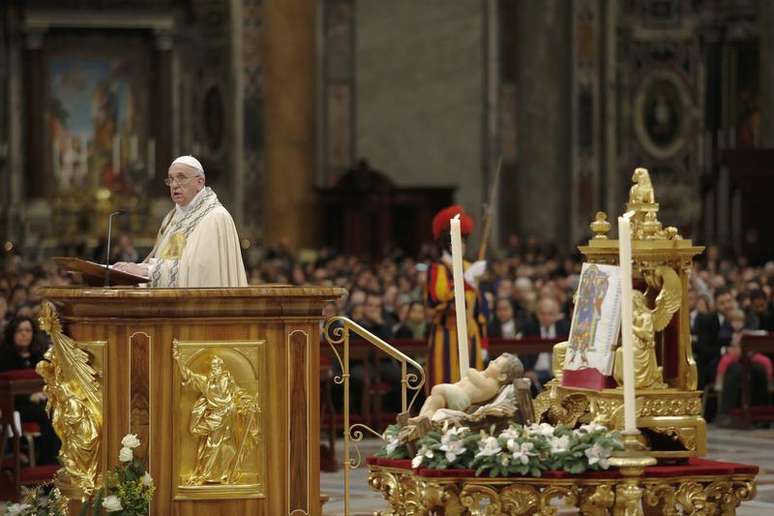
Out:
{"x": 288, "y": 47}
{"x": 543, "y": 117}
{"x": 162, "y": 108}
{"x": 766, "y": 23}
{"x": 36, "y": 183}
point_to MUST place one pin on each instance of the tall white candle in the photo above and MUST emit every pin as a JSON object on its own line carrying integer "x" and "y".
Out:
{"x": 459, "y": 295}
{"x": 625, "y": 259}
{"x": 116, "y": 154}
{"x": 151, "y": 158}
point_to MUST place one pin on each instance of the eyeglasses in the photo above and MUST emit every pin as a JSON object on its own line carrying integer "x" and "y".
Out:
{"x": 180, "y": 180}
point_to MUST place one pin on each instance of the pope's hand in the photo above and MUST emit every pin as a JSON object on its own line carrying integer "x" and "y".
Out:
{"x": 474, "y": 272}
{"x": 138, "y": 269}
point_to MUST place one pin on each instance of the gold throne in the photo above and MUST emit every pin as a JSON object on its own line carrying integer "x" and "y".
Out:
{"x": 668, "y": 404}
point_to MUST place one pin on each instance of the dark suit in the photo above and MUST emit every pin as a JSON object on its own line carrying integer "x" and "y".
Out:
{"x": 495, "y": 328}
{"x": 532, "y": 329}
{"x": 711, "y": 336}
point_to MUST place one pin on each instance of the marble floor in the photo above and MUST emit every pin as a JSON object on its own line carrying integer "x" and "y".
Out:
{"x": 750, "y": 447}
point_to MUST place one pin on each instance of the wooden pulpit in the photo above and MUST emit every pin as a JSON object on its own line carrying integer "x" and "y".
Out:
{"x": 220, "y": 385}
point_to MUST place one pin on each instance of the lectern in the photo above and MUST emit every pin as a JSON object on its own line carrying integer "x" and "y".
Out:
{"x": 220, "y": 385}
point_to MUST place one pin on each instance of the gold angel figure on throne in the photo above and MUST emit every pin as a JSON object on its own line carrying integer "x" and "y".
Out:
{"x": 225, "y": 420}
{"x": 646, "y": 322}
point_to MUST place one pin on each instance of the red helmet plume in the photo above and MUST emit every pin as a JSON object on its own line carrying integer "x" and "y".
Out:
{"x": 441, "y": 221}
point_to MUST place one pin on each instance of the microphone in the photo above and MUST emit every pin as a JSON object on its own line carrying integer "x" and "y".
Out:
{"x": 107, "y": 245}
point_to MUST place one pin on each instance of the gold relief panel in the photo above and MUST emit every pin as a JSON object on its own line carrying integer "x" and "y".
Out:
{"x": 218, "y": 424}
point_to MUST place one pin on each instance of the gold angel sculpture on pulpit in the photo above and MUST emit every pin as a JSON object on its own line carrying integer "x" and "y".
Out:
{"x": 74, "y": 402}
{"x": 224, "y": 419}
{"x": 646, "y": 322}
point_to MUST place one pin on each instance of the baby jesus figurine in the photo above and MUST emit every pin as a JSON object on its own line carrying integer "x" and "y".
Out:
{"x": 475, "y": 388}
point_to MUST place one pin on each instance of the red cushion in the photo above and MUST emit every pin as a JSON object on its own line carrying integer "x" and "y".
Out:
{"x": 393, "y": 463}
{"x": 38, "y": 473}
{"x": 446, "y": 473}
{"x": 30, "y": 428}
{"x": 19, "y": 374}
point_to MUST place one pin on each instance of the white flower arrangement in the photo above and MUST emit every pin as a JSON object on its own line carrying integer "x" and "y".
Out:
{"x": 516, "y": 450}
{"x": 128, "y": 488}
{"x": 130, "y": 441}
{"x": 125, "y": 454}
{"x": 112, "y": 503}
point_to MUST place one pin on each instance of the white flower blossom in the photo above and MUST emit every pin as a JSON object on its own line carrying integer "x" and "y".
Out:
{"x": 560, "y": 444}
{"x": 16, "y": 509}
{"x": 523, "y": 453}
{"x": 512, "y": 445}
{"x": 452, "y": 445}
{"x": 130, "y": 441}
{"x": 146, "y": 480}
{"x": 488, "y": 447}
{"x": 424, "y": 452}
{"x": 112, "y": 504}
{"x": 543, "y": 429}
{"x": 591, "y": 427}
{"x": 598, "y": 454}
{"x": 125, "y": 455}
{"x": 392, "y": 445}
{"x": 509, "y": 433}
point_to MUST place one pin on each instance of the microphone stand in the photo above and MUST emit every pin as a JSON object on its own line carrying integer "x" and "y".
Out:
{"x": 107, "y": 246}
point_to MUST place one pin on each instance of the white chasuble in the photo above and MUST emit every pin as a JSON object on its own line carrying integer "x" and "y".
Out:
{"x": 197, "y": 246}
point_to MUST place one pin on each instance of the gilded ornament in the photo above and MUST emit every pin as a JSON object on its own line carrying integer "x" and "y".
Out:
{"x": 518, "y": 499}
{"x": 628, "y": 498}
{"x": 74, "y": 402}
{"x": 481, "y": 500}
{"x": 597, "y": 501}
{"x": 173, "y": 250}
{"x": 647, "y": 321}
{"x": 527, "y": 495}
{"x": 224, "y": 420}
{"x": 388, "y": 484}
{"x": 661, "y": 495}
{"x": 557, "y": 361}
{"x": 692, "y": 498}
{"x": 567, "y": 493}
{"x": 600, "y": 226}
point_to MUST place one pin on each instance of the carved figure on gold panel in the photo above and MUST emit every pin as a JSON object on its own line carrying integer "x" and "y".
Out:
{"x": 74, "y": 402}
{"x": 646, "y": 322}
{"x": 224, "y": 419}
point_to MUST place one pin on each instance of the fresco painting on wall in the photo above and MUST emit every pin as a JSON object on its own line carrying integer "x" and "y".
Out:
{"x": 96, "y": 115}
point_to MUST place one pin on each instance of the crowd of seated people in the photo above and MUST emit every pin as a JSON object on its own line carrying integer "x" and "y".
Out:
{"x": 529, "y": 287}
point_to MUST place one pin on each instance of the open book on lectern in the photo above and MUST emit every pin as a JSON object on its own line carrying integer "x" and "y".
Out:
{"x": 94, "y": 273}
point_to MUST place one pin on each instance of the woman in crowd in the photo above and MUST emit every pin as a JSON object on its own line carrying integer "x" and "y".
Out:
{"x": 23, "y": 348}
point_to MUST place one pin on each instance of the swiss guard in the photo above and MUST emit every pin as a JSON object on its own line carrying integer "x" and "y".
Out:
{"x": 443, "y": 362}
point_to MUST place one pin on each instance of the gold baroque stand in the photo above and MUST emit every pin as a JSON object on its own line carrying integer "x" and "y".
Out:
{"x": 700, "y": 487}
{"x": 220, "y": 385}
{"x": 668, "y": 407}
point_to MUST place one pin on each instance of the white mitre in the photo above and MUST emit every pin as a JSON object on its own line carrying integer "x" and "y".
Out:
{"x": 189, "y": 161}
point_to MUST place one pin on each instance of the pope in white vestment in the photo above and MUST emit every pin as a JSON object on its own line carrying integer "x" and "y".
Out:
{"x": 197, "y": 245}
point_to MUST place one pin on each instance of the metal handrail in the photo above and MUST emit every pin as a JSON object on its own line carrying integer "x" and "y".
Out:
{"x": 337, "y": 330}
